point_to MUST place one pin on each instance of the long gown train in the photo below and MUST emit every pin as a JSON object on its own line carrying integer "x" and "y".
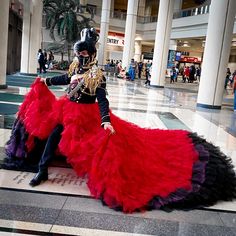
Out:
{"x": 135, "y": 169}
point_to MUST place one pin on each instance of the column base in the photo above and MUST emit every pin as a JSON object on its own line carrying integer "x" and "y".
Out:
{"x": 3, "y": 86}
{"x": 28, "y": 74}
{"x": 157, "y": 86}
{"x": 208, "y": 106}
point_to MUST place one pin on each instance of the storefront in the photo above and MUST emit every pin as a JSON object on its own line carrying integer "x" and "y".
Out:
{"x": 115, "y": 45}
{"x": 188, "y": 61}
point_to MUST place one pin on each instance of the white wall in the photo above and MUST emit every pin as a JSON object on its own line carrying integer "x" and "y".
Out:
{"x": 232, "y": 63}
{"x": 115, "y": 55}
{"x": 232, "y": 66}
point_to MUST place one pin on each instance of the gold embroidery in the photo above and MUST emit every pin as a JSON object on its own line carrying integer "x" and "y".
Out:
{"x": 93, "y": 78}
{"x": 73, "y": 69}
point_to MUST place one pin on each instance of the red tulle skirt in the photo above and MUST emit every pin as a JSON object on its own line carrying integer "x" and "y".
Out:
{"x": 126, "y": 169}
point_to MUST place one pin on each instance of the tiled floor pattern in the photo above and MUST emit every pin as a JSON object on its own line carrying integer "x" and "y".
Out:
{"x": 63, "y": 205}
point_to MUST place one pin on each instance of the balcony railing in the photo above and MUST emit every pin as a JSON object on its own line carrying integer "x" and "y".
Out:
{"x": 146, "y": 19}
{"x": 192, "y": 11}
{"x": 121, "y": 15}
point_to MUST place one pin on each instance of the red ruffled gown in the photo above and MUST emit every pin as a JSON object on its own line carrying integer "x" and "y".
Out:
{"x": 135, "y": 169}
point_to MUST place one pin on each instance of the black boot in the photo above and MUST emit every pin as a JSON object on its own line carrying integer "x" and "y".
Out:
{"x": 38, "y": 178}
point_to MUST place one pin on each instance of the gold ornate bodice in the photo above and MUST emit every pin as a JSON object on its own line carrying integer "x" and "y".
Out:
{"x": 85, "y": 83}
{"x": 93, "y": 78}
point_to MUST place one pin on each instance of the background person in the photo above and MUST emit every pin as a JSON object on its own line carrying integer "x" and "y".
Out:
{"x": 227, "y": 78}
{"x": 50, "y": 60}
{"x": 41, "y": 61}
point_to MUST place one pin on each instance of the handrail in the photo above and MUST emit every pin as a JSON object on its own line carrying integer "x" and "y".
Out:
{"x": 204, "y": 9}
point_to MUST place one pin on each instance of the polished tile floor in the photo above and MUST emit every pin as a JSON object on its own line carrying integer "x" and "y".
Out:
{"x": 63, "y": 205}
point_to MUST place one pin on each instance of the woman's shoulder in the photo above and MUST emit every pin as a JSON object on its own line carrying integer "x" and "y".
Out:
{"x": 73, "y": 66}
{"x": 74, "y": 63}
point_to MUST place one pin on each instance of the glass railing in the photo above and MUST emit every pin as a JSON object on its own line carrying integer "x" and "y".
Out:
{"x": 118, "y": 15}
{"x": 146, "y": 19}
{"x": 113, "y": 14}
{"x": 192, "y": 11}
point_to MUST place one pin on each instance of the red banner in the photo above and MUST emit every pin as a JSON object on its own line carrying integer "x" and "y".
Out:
{"x": 190, "y": 59}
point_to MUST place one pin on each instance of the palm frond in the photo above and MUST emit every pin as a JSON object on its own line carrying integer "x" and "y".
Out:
{"x": 66, "y": 17}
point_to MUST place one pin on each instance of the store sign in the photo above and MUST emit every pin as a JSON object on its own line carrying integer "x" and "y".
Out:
{"x": 115, "y": 41}
{"x": 190, "y": 59}
{"x": 171, "y": 59}
{"x": 148, "y": 55}
{"x": 178, "y": 55}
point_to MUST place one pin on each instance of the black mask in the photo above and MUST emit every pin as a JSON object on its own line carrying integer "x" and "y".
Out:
{"x": 83, "y": 60}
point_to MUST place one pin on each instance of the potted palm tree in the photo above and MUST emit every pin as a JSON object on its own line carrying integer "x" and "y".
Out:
{"x": 66, "y": 18}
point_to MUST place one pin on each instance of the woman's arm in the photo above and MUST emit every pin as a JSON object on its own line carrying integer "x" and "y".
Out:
{"x": 58, "y": 80}
{"x": 63, "y": 79}
{"x": 103, "y": 102}
{"x": 104, "y": 106}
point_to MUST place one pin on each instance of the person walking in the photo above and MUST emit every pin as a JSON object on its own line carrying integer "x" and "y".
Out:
{"x": 192, "y": 73}
{"x": 41, "y": 61}
{"x": 132, "y": 70}
{"x": 50, "y": 60}
{"x": 148, "y": 71}
{"x": 173, "y": 75}
{"x": 227, "y": 78}
{"x": 186, "y": 74}
{"x": 198, "y": 73}
{"x": 140, "y": 68}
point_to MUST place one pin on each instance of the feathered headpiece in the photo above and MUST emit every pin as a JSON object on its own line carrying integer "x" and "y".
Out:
{"x": 89, "y": 38}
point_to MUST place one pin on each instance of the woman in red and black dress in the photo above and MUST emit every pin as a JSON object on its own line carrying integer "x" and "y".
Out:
{"x": 176, "y": 169}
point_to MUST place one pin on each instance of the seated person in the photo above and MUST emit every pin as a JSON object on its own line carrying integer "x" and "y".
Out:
{"x": 176, "y": 169}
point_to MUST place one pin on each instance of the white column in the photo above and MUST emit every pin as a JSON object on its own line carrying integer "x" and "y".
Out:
{"x": 148, "y": 10}
{"x": 162, "y": 40}
{"x": 130, "y": 30}
{"x": 106, "y": 6}
{"x": 25, "y": 45}
{"x": 4, "y": 13}
{"x": 112, "y": 5}
{"x": 178, "y": 5}
{"x": 141, "y": 7}
{"x": 137, "y": 50}
{"x": 216, "y": 54}
{"x": 35, "y": 35}
{"x": 173, "y": 44}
